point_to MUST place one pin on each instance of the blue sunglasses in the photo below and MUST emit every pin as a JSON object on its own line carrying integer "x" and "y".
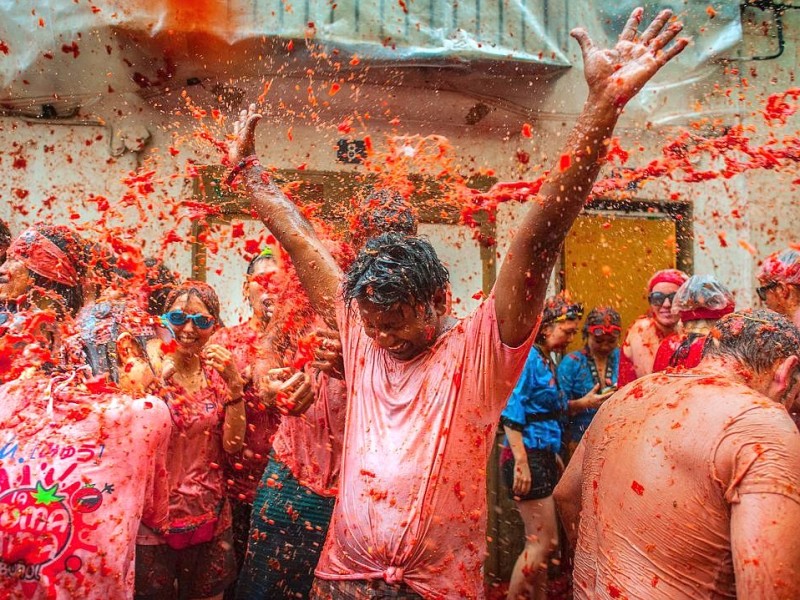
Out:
{"x": 178, "y": 318}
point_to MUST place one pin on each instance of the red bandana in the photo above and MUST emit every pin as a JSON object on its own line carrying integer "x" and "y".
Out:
{"x": 43, "y": 257}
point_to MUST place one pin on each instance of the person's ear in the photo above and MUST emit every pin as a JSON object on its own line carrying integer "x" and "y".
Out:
{"x": 785, "y": 377}
{"x": 127, "y": 348}
{"x": 442, "y": 301}
{"x": 793, "y": 293}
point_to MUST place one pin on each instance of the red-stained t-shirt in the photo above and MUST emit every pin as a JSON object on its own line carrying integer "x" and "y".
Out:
{"x": 665, "y": 462}
{"x": 194, "y": 460}
{"x": 311, "y": 445}
{"x": 75, "y": 479}
{"x": 243, "y": 470}
{"x": 412, "y": 499}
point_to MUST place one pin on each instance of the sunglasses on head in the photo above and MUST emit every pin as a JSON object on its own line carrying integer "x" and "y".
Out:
{"x": 658, "y": 298}
{"x": 574, "y": 312}
{"x": 762, "y": 291}
{"x": 601, "y": 330}
{"x": 178, "y": 318}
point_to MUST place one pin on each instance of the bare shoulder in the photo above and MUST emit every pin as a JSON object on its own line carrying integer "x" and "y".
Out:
{"x": 641, "y": 325}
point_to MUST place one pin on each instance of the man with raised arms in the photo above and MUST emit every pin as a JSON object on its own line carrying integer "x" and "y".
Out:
{"x": 425, "y": 391}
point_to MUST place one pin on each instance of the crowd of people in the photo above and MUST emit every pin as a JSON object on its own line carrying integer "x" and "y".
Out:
{"x": 150, "y": 452}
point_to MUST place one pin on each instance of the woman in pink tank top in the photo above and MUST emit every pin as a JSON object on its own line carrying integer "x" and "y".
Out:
{"x": 203, "y": 390}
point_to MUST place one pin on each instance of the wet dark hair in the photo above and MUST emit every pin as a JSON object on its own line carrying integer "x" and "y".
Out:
{"x": 200, "y": 290}
{"x": 73, "y": 246}
{"x": 557, "y": 309}
{"x": 756, "y": 338}
{"x": 105, "y": 266}
{"x": 265, "y": 254}
{"x": 382, "y": 211}
{"x": 394, "y": 268}
{"x": 95, "y": 344}
{"x": 160, "y": 282}
{"x": 5, "y": 234}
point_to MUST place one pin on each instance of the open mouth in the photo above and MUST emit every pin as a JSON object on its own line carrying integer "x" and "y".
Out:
{"x": 399, "y": 350}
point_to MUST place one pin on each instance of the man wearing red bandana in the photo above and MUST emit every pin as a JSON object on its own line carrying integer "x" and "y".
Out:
{"x": 43, "y": 268}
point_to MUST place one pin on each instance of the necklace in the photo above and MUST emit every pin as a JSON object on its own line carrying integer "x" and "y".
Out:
{"x": 609, "y": 374}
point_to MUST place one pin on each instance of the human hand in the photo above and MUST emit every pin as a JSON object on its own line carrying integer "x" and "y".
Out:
{"x": 287, "y": 389}
{"x": 594, "y": 400}
{"x": 328, "y": 353}
{"x": 136, "y": 375}
{"x": 615, "y": 75}
{"x": 221, "y": 360}
{"x": 167, "y": 368}
{"x": 522, "y": 477}
{"x": 243, "y": 142}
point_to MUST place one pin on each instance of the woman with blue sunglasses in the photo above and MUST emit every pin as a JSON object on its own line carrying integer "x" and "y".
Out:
{"x": 204, "y": 393}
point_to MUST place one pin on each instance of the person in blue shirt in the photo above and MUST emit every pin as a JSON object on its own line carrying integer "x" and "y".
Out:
{"x": 589, "y": 376}
{"x": 529, "y": 463}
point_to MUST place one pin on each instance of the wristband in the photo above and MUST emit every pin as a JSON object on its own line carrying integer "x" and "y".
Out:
{"x": 245, "y": 163}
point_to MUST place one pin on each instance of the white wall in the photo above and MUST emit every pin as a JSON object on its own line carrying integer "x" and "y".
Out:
{"x": 68, "y": 162}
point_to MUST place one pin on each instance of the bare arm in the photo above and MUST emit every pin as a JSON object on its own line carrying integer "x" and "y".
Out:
{"x": 614, "y": 76}
{"x": 766, "y": 547}
{"x": 522, "y": 471}
{"x": 568, "y": 495}
{"x": 234, "y": 425}
{"x": 318, "y": 272}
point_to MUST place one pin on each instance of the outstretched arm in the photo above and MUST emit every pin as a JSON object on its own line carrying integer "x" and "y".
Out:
{"x": 316, "y": 268}
{"x": 614, "y": 76}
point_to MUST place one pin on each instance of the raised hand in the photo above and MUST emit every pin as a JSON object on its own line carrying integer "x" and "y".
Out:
{"x": 289, "y": 390}
{"x": 221, "y": 360}
{"x": 615, "y": 75}
{"x": 243, "y": 142}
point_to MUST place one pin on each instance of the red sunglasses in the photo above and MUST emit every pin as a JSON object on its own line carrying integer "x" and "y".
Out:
{"x": 600, "y": 330}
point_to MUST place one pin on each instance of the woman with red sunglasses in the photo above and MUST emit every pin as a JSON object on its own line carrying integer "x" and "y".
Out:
{"x": 589, "y": 376}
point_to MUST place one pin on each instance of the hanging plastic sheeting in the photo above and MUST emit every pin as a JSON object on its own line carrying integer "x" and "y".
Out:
{"x": 53, "y": 39}
{"x": 81, "y": 48}
{"x": 715, "y": 29}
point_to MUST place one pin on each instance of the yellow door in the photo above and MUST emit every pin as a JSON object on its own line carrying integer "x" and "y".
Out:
{"x": 609, "y": 258}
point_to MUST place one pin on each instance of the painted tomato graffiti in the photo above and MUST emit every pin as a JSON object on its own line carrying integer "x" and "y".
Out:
{"x": 87, "y": 500}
